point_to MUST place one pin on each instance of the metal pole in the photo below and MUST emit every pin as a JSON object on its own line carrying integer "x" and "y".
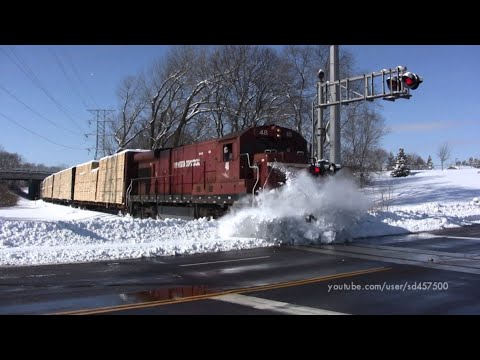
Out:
{"x": 312, "y": 146}
{"x": 335, "y": 110}
{"x": 320, "y": 123}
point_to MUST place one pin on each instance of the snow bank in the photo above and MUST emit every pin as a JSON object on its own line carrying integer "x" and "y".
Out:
{"x": 34, "y": 232}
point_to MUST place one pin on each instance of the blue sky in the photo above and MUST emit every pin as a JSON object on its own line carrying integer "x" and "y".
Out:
{"x": 444, "y": 108}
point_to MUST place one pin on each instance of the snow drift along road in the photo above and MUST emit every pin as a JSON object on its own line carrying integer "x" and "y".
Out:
{"x": 41, "y": 233}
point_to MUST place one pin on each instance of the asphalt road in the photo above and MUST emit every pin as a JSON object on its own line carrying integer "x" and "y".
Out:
{"x": 437, "y": 273}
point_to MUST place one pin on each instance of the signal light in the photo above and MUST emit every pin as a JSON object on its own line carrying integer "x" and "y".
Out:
{"x": 411, "y": 80}
{"x": 323, "y": 167}
{"x": 315, "y": 170}
{"x": 393, "y": 84}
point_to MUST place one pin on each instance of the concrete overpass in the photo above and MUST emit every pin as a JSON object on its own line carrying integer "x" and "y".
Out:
{"x": 33, "y": 177}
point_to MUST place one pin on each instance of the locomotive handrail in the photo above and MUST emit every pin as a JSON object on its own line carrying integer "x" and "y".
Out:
{"x": 258, "y": 174}
{"x": 129, "y": 190}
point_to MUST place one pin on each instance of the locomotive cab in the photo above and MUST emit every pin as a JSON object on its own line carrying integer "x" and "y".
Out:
{"x": 276, "y": 150}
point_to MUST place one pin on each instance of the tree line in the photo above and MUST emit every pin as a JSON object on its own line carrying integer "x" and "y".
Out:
{"x": 411, "y": 160}
{"x": 14, "y": 161}
{"x": 473, "y": 162}
{"x": 195, "y": 93}
{"x": 414, "y": 161}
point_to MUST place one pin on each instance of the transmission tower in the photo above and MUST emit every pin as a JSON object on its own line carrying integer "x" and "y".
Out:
{"x": 101, "y": 136}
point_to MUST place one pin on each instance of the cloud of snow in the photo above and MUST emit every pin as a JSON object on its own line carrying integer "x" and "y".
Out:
{"x": 335, "y": 204}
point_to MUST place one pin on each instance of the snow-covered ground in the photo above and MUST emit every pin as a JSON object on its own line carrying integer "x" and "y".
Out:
{"x": 35, "y": 232}
{"x": 424, "y": 201}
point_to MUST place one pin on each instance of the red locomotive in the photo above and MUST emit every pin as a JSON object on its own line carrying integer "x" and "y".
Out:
{"x": 195, "y": 180}
{"x": 205, "y": 178}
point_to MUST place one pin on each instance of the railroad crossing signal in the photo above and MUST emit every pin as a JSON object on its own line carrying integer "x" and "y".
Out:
{"x": 411, "y": 80}
{"x": 408, "y": 79}
{"x": 388, "y": 84}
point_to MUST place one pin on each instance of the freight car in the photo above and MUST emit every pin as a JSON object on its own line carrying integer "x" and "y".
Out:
{"x": 196, "y": 180}
{"x": 59, "y": 187}
{"x": 97, "y": 184}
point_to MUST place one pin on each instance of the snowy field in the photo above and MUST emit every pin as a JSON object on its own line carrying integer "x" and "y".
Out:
{"x": 35, "y": 232}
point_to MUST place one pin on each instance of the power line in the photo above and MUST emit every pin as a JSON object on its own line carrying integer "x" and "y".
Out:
{"x": 37, "y": 134}
{"x": 36, "y": 112}
{"x": 60, "y": 65}
{"x": 31, "y": 75}
{"x": 73, "y": 67}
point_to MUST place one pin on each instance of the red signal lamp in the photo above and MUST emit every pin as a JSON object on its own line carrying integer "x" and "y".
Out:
{"x": 411, "y": 80}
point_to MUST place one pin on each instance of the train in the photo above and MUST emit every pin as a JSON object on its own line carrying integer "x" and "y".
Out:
{"x": 197, "y": 180}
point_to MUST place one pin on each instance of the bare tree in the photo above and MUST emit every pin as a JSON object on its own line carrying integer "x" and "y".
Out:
{"x": 444, "y": 152}
{"x": 248, "y": 93}
{"x": 194, "y": 93}
{"x": 163, "y": 93}
{"x": 379, "y": 159}
{"x": 10, "y": 160}
{"x": 300, "y": 64}
{"x": 415, "y": 161}
{"x": 219, "y": 115}
{"x": 178, "y": 92}
{"x": 299, "y": 83}
{"x": 362, "y": 130}
{"x": 130, "y": 120}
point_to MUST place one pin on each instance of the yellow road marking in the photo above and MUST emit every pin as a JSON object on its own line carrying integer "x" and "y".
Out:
{"x": 148, "y": 304}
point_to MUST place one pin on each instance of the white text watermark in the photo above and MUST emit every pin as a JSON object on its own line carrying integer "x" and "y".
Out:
{"x": 385, "y": 286}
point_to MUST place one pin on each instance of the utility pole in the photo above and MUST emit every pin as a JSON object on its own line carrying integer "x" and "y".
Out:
{"x": 320, "y": 125}
{"x": 100, "y": 139}
{"x": 335, "y": 110}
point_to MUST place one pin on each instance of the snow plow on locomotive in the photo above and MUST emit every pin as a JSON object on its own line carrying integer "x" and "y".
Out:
{"x": 196, "y": 180}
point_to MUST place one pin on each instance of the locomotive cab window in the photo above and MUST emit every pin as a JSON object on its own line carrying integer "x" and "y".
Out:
{"x": 227, "y": 152}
